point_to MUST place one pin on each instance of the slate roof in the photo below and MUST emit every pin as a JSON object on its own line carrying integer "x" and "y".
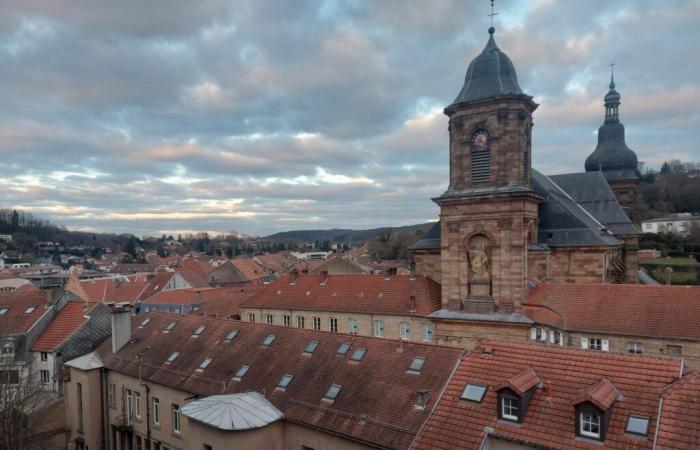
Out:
{"x": 624, "y": 309}
{"x": 361, "y": 294}
{"x": 376, "y": 403}
{"x": 15, "y": 321}
{"x": 61, "y": 327}
{"x": 430, "y": 241}
{"x": 550, "y": 419}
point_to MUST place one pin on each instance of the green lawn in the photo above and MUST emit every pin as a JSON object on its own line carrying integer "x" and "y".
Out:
{"x": 670, "y": 261}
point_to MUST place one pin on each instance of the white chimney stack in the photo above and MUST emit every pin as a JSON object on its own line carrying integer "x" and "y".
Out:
{"x": 121, "y": 325}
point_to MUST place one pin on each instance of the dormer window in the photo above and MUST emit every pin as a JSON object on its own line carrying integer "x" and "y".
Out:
{"x": 515, "y": 393}
{"x": 510, "y": 408}
{"x": 589, "y": 424}
{"x": 593, "y": 409}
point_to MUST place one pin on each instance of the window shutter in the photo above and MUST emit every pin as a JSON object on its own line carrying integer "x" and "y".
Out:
{"x": 584, "y": 342}
{"x": 543, "y": 334}
{"x": 533, "y": 333}
{"x": 605, "y": 345}
{"x": 551, "y": 337}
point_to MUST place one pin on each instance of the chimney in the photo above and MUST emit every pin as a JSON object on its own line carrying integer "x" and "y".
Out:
{"x": 412, "y": 303}
{"x": 421, "y": 399}
{"x": 121, "y": 325}
{"x": 324, "y": 277}
{"x": 295, "y": 276}
{"x": 199, "y": 295}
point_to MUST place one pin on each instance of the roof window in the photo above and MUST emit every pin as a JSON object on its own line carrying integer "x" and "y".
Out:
{"x": 284, "y": 382}
{"x": 358, "y": 354}
{"x": 416, "y": 364}
{"x": 204, "y": 364}
{"x": 172, "y": 357}
{"x": 311, "y": 347}
{"x": 343, "y": 349}
{"x": 3, "y": 311}
{"x": 332, "y": 392}
{"x": 474, "y": 392}
{"x": 169, "y": 327}
{"x": 231, "y": 336}
{"x": 637, "y": 425}
{"x": 269, "y": 340}
{"x": 30, "y": 309}
{"x": 199, "y": 331}
{"x": 241, "y": 372}
{"x": 144, "y": 322}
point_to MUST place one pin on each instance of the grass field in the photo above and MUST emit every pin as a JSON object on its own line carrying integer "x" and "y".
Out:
{"x": 670, "y": 261}
{"x": 684, "y": 269}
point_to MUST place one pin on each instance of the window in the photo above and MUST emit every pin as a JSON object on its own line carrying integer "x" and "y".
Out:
{"x": 416, "y": 364}
{"x": 332, "y": 392}
{"x": 241, "y": 372}
{"x": 30, "y": 309}
{"x": 358, "y": 354}
{"x": 8, "y": 348}
{"x": 44, "y": 356}
{"x": 231, "y": 336}
{"x": 311, "y": 347}
{"x": 169, "y": 327}
{"x": 510, "y": 408}
{"x": 595, "y": 344}
{"x": 137, "y": 404}
{"x": 172, "y": 357}
{"x": 333, "y": 324}
{"x": 204, "y": 364}
{"x": 317, "y": 323}
{"x": 44, "y": 376}
{"x": 556, "y": 337}
{"x": 129, "y": 405}
{"x": 198, "y": 332}
{"x": 284, "y": 382}
{"x": 300, "y": 321}
{"x": 144, "y": 322}
{"x": 474, "y": 392}
{"x": 268, "y": 319}
{"x": 251, "y": 317}
{"x": 405, "y": 331}
{"x": 176, "y": 419}
{"x": 674, "y": 350}
{"x": 428, "y": 332}
{"x": 352, "y": 326}
{"x": 637, "y": 425}
{"x": 269, "y": 340}
{"x": 287, "y": 320}
{"x": 634, "y": 347}
{"x": 590, "y": 424}
{"x": 176, "y": 310}
{"x": 378, "y": 328}
{"x": 112, "y": 395}
{"x": 79, "y": 393}
{"x": 156, "y": 411}
{"x": 343, "y": 349}
{"x": 3, "y": 311}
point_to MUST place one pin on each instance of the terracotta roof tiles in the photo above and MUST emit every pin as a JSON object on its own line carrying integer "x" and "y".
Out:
{"x": 16, "y": 319}
{"x": 602, "y": 394}
{"x": 61, "y": 327}
{"x": 522, "y": 382}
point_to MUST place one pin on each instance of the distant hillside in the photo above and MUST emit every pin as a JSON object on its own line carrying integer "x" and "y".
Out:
{"x": 344, "y": 236}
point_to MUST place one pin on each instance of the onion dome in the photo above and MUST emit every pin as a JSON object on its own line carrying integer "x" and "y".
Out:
{"x": 612, "y": 156}
{"x": 490, "y": 74}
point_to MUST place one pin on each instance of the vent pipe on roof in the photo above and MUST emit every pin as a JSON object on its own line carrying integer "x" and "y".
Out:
{"x": 121, "y": 325}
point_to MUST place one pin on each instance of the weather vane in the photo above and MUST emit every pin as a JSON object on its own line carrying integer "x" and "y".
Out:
{"x": 492, "y": 13}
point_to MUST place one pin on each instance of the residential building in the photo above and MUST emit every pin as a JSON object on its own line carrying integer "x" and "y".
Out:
{"x": 680, "y": 224}
{"x": 217, "y": 300}
{"x": 394, "y": 307}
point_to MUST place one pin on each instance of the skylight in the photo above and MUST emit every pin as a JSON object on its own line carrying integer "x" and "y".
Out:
{"x": 416, "y": 364}
{"x": 269, "y": 339}
{"x": 241, "y": 372}
{"x": 3, "y": 311}
{"x": 638, "y": 425}
{"x": 172, "y": 357}
{"x": 343, "y": 349}
{"x": 284, "y": 382}
{"x": 199, "y": 331}
{"x": 30, "y": 309}
{"x": 169, "y": 327}
{"x": 333, "y": 392}
{"x": 231, "y": 336}
{"x": 144, "y": 322}
{"x": 311, "y": 347}
{"x": 474, "y": 392}
{"x": 358, "y": 354}
{"x": 204, "y": 364}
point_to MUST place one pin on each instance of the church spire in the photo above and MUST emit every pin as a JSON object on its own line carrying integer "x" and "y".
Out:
{"x": 612, "y": 100}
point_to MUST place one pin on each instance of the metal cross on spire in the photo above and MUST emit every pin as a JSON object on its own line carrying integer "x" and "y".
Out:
{"x": 612, "y": 75}
{"x": 492, "y": 13}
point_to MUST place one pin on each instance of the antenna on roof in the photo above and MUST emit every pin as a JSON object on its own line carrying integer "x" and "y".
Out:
{"x": 493, "y": 13}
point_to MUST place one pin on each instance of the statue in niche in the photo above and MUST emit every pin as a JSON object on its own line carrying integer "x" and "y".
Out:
{"x": 478, "y": 258}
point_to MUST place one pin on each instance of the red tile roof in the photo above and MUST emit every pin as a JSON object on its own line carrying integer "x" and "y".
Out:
{"x": 628, "y": 309}
{"x": 250, "y": 269}
{"x": 370, "y": 294}
{"x": 109, "y": 289}
{"x": 550, "y": 418}
{"x": 15, "y": 320}
{"x": 679, "y": 428}
{"x": 228, "y": 304}
{"x": 201, "y": 268}
{"x": 602, "y": 394}
{"x": 522, "y": 382}
{"x": 376, "y": 403}
{"x": 61, "y": 327}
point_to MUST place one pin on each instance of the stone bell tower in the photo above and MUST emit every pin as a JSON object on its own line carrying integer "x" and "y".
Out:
{"x": 489, "y": 212}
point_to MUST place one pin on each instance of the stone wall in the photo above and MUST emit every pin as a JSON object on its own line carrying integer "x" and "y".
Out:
{"x": 464, "y": 334}
{"x": 428, "y": 264}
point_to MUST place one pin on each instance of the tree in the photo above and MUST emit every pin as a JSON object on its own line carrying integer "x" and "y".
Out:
{"x": 14, "y": 224}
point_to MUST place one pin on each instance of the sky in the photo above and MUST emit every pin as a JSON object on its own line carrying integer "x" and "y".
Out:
{"x": 177, "y": 116}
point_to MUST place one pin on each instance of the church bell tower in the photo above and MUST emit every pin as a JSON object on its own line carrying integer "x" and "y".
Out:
{"x": 489, "y": 211}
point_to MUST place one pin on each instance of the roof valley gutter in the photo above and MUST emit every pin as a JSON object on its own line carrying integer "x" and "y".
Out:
{"x": 437, "y": 400}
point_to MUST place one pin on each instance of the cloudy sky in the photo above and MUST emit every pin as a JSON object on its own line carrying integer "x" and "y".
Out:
{"x": 258, "y": 116}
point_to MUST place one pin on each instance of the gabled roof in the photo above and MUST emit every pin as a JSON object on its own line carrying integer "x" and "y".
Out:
{"x": 522, "y": 382}
{"x": 231, "y": 412}
{"x": 250, "y": 268}
{"x": 227, "y": 273}
{"x": 61, "y": 327}
{"x": 550, "y": 419}
{"x": 201, "y": 268}
{"x": 602, "y": 394}
{"x": 89, "y": 361}
{"x": 623, "y": 309}
{"x": 228, "y": 302}
{"x": 679, "y": 427}
{"x": 361, "y": 294}
{"x": 376, "y": 403}
{"x": 15, "y": 320}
